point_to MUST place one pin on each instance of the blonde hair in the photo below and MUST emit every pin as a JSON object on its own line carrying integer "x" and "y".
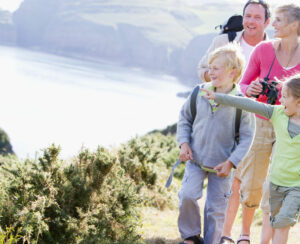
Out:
{"x": 293, "y": 85}
{"x": 233, "y": 58}
{"x": 291, "y": 12}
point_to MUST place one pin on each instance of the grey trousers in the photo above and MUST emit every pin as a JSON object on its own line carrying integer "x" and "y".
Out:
{"x": 218, "y": 192}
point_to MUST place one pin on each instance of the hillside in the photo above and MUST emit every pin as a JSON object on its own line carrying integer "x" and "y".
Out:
{"x": 7, "y": 30}
{"x": 166, "y": 36}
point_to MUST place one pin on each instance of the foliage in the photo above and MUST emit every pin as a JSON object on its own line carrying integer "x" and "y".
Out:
{"x": 89, "y": 200}
{"x": 170, "y": 129}
{"x": 146, "y": 160}
{"x": 94, "y": 198}
{"x": 5, "y": 146}
{"x": 9, "y": 236}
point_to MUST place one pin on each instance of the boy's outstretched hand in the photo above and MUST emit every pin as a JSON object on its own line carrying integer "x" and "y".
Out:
{"x": 185, "y": 152}
{"x": 223, "y": 169}
{"x": 209, "y": 94}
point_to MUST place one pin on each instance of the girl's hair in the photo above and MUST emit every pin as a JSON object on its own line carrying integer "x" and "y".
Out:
{"x": 291, "y": 12}
{"x": 233, "y": 58}
{"x": 293, "y": 83}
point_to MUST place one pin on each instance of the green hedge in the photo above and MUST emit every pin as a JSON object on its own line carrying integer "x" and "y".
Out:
{"x": 94, "y": 198}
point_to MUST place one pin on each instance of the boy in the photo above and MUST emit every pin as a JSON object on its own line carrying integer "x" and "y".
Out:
{"x": 209, "y": 141}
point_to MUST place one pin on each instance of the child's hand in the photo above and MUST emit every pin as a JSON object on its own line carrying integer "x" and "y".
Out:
{"x": 185, "y": 152}
{"x": 209, "y": 94}
{"x": 223, "y": 169}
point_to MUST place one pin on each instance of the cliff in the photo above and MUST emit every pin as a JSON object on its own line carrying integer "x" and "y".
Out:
{"x": 161, "y": 35}
{"x": 7, "y": 29}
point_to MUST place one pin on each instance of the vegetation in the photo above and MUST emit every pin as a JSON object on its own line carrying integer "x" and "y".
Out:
{"x": 169, "y": 130}
{"x": 106, "y": 196}
{"x": 94, "y": 198}
{"x": 9, "y": 236}
{"x": 5, "y": 146}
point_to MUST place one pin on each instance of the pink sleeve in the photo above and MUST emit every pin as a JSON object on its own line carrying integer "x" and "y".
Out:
{"x": 252, "y": 70}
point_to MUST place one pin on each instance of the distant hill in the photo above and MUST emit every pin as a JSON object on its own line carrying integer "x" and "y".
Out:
{"x": 168, "y": 36}
{"x": 7, "y": 30}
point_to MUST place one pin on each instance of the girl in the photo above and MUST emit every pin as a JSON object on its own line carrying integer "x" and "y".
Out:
{"x": 285, "y": 168}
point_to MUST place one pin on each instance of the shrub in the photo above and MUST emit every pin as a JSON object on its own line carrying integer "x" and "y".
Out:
{"x": 90, "y": 200}
{"x": 9, "y": 236}
{"x": 93, "y": 198}
{"x": 147, "y": 159}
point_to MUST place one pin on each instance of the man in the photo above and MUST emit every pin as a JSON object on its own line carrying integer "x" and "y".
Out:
{"x": 254, "y": 26}
{"x": 256, "y": 18}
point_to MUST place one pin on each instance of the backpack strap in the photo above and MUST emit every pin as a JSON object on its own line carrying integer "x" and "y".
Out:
{"x": 231, "y": 35}
{"x": 238, "y": 114}
{"x": 193, "y": 102}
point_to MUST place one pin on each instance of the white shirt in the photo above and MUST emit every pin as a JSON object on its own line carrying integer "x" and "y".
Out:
{"x": 246, "y": 50}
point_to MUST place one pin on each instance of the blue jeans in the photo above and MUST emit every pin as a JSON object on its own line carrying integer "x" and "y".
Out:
{"x": 218, "y": 192}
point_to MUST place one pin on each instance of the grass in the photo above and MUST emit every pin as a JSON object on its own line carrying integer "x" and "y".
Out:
{"x": 160, "y": 227}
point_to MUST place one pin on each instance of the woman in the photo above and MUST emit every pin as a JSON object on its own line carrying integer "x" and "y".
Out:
{"x": 275, "y": 59}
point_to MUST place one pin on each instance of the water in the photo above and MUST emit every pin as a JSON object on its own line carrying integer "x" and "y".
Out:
{"x": 49, "y": 99}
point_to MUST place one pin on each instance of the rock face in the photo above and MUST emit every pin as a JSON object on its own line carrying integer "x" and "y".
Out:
{"x": 7, "y": 29}
{"x": 155, "y": 35}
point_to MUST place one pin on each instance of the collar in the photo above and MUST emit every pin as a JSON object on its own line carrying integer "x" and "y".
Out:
{"x": 210, "y": 87}
{"x": 239, "y": 36}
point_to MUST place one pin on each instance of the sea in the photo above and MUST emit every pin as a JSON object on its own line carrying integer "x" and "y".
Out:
{"x": 47, "y": 99}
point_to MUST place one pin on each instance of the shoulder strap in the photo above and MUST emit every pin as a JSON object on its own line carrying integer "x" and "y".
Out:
{"x": 267, "y": 77}
{"x": 231, "y": 35}
{"x": 193, "y": 102}
{"x": 238, "y": 114}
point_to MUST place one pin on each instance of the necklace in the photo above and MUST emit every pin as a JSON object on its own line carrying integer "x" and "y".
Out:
{"x": 292, "y": 56}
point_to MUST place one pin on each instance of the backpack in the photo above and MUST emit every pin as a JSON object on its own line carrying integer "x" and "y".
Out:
{"x": 237, "y": 115}
{"x": 193, "y": 111}
{"x": 233, "y": 25}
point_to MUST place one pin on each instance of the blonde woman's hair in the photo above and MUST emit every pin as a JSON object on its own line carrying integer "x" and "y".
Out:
{"x": 291, "y": 12}
{"x": 293, "y": 85}
{"x": 233, "y": 58}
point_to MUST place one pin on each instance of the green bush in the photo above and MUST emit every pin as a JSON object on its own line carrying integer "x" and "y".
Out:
{"x": 94, "y": 198}
{"x": 90, "y": 200}
{"x": 147, "y": 159}
{"x": 10, "y": 236}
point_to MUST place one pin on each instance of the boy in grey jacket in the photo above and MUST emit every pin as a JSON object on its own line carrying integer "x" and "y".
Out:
{"x": 209, "y": 141}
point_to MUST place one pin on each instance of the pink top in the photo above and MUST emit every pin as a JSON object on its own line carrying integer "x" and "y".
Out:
{"x": 259, "y": 66}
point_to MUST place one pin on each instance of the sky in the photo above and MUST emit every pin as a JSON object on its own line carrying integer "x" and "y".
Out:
{"x": 10, "y": 5}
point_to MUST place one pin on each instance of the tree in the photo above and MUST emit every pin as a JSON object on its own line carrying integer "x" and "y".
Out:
{"x": 5, "y": 146}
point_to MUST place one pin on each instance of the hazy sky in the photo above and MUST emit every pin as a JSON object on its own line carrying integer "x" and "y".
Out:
{"x": 12, "y": 5}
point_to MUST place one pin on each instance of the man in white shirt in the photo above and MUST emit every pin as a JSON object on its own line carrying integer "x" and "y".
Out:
{"x": 253, "y": 33}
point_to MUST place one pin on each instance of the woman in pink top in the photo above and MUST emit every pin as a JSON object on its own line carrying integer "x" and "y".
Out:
{"x": 284, "y": 53}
